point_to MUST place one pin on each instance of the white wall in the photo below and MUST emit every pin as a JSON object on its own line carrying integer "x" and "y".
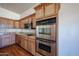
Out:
{"x": 8, "y": 14}
{"x": 68, "y": 41}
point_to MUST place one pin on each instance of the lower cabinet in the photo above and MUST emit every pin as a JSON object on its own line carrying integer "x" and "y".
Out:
{"x": 18, "y": 39}
{"x": 7, "y": 39}
{"x": 27, "y": 43}
{"x": 23, "y": 43}
{"x": 31, "y": 46}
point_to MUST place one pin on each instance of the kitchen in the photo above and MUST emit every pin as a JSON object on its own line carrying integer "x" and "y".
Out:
{"x": 34, "y": 32}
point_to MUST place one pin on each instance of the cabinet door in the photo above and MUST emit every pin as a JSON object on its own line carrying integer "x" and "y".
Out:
{"x": 5, "y": 41}
{"x": 25, "y": 44}
{"x": 21, "y": 24}
{"x": 26, "y": 20}
{"x": 31, "y": 47}
{"x": 10, "y": 23}
{"x": 18, "y": 40}
{"x": 57, "y": 7}
{"x": 22, "y": 42}
{"x": 12, "y": 39}
{"x": 28, "y": 47}
{"x": 49, "y": 9}
{"x": 16, "y": 24}
{"x": 39, "y": 12}
{"x": 29, "y": 19}
{"x": 34, "y": 21}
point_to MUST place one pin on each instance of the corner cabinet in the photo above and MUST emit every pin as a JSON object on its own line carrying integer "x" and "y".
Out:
{"x": 18, "y": 39}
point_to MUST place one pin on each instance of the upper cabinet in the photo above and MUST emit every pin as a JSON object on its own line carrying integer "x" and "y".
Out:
{"x": 6, "y": 23}
{"x": 49, "y": 9}
{"x": 46, "y": 10}
{"x": 16, "y": 24}
{"x": 29, "y": 19}
{"x": 33, "y": 20}
{"x": 11, "y": 23}
{"x": 21, "y": 24}
{"x": 39, "y": 11}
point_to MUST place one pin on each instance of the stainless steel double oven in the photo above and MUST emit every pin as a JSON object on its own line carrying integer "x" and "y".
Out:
{"x": 46, "y": 37}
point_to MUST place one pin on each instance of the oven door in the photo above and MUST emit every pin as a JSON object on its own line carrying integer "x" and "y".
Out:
{"x": 46, "y": 31}
{"x": 45, "y": 48}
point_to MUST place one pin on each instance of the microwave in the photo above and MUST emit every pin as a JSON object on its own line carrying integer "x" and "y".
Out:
{"x": 28, "y": 26}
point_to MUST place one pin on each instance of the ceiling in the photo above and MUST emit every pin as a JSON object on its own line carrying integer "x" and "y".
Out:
{"x": 17, "y": 7}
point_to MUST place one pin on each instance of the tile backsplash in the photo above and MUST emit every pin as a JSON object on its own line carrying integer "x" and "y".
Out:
{"x": 6, "y": 31}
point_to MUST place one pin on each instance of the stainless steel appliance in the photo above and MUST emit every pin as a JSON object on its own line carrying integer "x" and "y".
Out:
{"x": 46, "y": 37}
{"x": 28, "y": 25}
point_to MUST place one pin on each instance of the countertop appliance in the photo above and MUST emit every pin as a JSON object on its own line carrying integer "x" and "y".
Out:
{"x": 46, "y": 37}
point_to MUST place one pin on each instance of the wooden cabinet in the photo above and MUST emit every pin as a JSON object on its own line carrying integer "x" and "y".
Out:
{"x": 10, "y": 23}
{"x": 23, "y": 42}
{"x": 50, "y": 9}
{"x": 46, "y": 10}
{"x": 27, "y": 43}
{"x": 31, "y": 45}
{"x": 6, "y": 23}
{"x": 21, "y": 24}
{"x": 39, "y": 11}
{"x": 18, "y": 39}
{"x": 34, "y": 21}
{"x": 26, "y": 20}
{"x": 16, "y": 24}
{"x": 29, "y": 19}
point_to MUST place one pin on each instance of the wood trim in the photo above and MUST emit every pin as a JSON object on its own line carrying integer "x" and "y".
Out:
{"x": 6, "y": 18}
{"x": 27, "y": 16}
{"x": 37, "y": 7}
{"x": 47, "y": 17}
{"x": 57, "y": 8}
